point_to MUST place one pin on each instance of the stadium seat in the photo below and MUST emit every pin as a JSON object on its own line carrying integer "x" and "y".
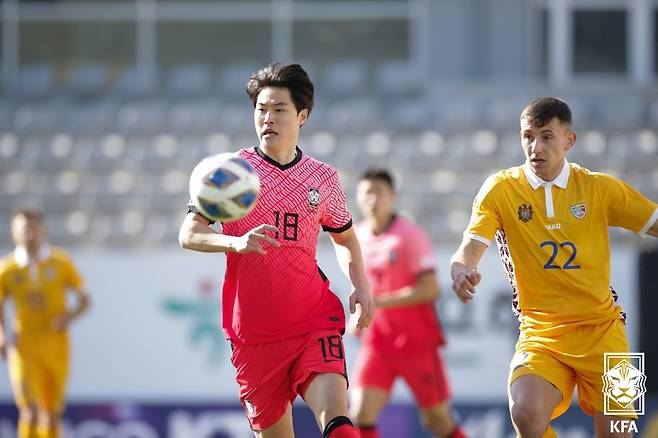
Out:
{"x": 136, "y": 84}
{"x": 397, "y": 77}
{"x": 9, "y": 151}
{"x": 92, "y": 117}
{"x": 143, "y": 117}
{"x": 195, "y": 116}
{"x": 621, "y": 112}
{"x": 236, "y": 116}
{"x": 39, "y": 117}
{"x": 53, "y": 153}
{"x": 233, "y": 78}
{"x": 356, "y": 114}
{"x": 6, "y": 115}
{"x": 189, "y": 80}
{"x": 36, "y": 81}
{"x": 88, "y": 80}
{"x": 502, "y": 113}
{"x": 106, "y": 153}
{"x": 345, "y": 78}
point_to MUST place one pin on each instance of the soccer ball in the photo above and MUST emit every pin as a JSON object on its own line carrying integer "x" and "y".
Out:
{"x": 224, "y": 187}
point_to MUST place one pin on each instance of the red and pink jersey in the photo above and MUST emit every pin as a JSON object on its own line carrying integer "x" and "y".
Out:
{"x": 394, "y": 259}
{"x": 284, "y": 293}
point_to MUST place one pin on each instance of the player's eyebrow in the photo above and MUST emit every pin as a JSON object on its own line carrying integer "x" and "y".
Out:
{"x": 272, "y": 104}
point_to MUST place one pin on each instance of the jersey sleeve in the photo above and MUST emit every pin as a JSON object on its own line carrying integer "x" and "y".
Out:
{"x": 418, "y": 253}
{"x": 626, "y": 207}
{"x": 72, "y": 275}
{"x": 336, "y": 217}
{"x": 4, "y": 291}
{"x": 485, "y": 219}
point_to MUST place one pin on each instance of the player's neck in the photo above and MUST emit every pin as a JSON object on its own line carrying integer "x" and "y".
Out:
{"x": 32, "y": 251}
{"x": 381, "y": 224}
{"x": 282, "y": 155}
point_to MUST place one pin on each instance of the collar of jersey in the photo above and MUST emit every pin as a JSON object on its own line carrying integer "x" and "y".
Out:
{"x": 23, "y": 259}
{"x": 273, "y": 162}
{"x": 536, "y": 182}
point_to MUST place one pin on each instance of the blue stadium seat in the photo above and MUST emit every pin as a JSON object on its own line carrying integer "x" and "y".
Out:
{"x": 189, "y": 80}
{"x": 88, "y": 80}
{"x": 397, "y": 77}
{"x": 39, "y": 117}
{"x": 197, "y": 116}
{"x": 36, "y": 81}
{"x": 233, "y": 79}
{"x": 345, "y": 78}
{"x": 95, "y": 118}
{"x": 136, "y": 84}
{"x": 143, "y": 117}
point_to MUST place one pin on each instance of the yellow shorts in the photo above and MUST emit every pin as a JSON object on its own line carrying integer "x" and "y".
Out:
{"x": 575, "y": 358}
{"x": 38, "y": 371}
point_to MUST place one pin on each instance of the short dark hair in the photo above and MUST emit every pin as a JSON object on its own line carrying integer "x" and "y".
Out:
{"x": 290, "y": 76}
{"x": 542, "y": 110}
{"x": 375, "y": 173}
{"x": 28, "y": 212}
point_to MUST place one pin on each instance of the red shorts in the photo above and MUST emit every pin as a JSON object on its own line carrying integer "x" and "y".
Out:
{"x": 424, "y": 373}
{"x": 271, "y": 375}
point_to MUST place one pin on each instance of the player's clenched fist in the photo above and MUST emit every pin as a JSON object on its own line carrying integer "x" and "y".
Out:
{"x": 464, "y": 284}
{"x": 253, "y": 240}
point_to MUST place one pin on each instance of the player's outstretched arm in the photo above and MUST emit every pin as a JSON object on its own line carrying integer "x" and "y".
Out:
{"x": 195, "y": 234}
{"x": 350, "y": 259}
{"x": 62, "y": 322}
{"x": 463, "y": 268}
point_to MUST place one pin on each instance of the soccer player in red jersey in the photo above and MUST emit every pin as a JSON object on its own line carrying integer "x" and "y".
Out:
{"x": 284, "y": 323}
{"x": 405, "y": 334}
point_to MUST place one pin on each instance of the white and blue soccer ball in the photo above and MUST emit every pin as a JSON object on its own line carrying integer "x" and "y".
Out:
{"x": 224, "y": 187}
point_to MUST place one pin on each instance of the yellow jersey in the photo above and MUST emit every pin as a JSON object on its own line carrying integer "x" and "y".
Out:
{"x": 553, "y": 241}
{"x": 38, "y": 290}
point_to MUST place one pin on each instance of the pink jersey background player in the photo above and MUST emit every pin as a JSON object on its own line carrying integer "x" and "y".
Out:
{"x": 405, "y": 334}
{"x": 284, "y": 323}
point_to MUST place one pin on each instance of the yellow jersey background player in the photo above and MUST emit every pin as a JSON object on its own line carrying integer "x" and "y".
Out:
{"x": 550, "y": 220}
{"x": 36, "y": 277}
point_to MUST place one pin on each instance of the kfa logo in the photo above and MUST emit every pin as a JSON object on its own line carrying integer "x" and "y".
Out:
{"x": 579, "y": 210}
{"x": 313, "y": 197}
{"x": 624, "y": 386}
{"x": 525, "y": 212}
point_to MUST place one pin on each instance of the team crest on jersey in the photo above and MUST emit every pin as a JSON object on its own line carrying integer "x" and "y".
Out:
{"x": 579, "y": 210}
{"x": 313, "y": 197}
{"x": 525, "y": 212}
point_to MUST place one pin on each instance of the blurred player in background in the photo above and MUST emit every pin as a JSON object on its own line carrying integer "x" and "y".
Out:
{"x": 284, "y": 323}
{"x": 37, "y": 277}
{"x": 550, "y": 219}
{"x": 405, "y": 335}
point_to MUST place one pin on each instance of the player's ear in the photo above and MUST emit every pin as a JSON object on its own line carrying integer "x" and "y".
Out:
{"x": 571, "y": 139}
{"x": 302, "y": 116}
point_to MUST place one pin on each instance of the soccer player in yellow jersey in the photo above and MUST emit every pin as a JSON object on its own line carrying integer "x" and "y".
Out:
{"x": 37, "y": 277}
{"x": 550, "y": 219}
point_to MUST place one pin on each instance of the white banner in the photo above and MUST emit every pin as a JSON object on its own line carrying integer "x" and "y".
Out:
{"x": 153, "y": 332}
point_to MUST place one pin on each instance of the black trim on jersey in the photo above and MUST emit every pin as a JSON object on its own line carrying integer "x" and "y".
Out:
{"x": 191, "y": 208}
{"x": 273, "y": 162}
{"x": 345, "y": 227}
{"x": 322, "y": 274}
{"x": 335, "y": 423}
